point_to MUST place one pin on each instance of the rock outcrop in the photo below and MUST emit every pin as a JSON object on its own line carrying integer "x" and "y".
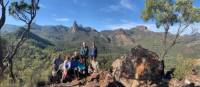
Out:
{"x": 75, "y": 27}
{"x": 142, "y": 27}
{"x": 139, "y": 64}
{"x": 122, "y": 38}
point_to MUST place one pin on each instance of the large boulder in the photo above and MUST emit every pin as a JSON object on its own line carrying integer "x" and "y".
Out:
{"x": 139, "y": 64}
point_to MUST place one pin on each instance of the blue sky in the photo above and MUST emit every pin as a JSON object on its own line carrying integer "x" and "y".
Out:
{"x": 99, "y": 14}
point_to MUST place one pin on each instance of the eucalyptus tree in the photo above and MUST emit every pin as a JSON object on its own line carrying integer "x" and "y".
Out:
{"x": 25, "y": 11}
{"x": 169, "y": 13}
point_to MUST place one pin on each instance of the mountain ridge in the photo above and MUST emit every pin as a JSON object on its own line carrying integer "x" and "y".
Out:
{"x": 65, "y": 37}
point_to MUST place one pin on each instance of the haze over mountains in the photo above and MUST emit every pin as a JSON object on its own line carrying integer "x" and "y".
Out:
{"x": 118, "y": 40}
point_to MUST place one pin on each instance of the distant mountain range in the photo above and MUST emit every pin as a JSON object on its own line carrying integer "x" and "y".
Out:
{"x": 117, "y": 40}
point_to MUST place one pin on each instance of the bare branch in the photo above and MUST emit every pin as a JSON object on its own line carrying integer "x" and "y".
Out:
{"x": 20, "y": 18}
{"x": 27, "y": 12}
{"x": 6, "y": 3}
{"x": 179, "y": 32}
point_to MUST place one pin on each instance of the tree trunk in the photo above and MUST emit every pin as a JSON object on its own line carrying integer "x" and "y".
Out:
{"x": 11, "y": 70}
{"x": 163, "y": 68}
{"x": 3, "y": 14}
{"x": 1, "y": 54}
{"x": 1, "y": 59}
{"x": 2, "y": 22}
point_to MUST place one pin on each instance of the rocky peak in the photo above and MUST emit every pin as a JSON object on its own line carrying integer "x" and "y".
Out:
{"x": 141, "y": 27}
{"x": 120, "y": 31}
{"x": 75, "y": 27}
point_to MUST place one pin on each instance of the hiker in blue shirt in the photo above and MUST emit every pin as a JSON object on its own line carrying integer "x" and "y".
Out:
{"x": 93, "y": 51}
{"x": 84, "y": 53}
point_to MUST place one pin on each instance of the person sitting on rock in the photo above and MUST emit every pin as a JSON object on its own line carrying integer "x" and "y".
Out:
{"x": 94, "y": 66}
{"x": 64, "y": 69}
{"x": 56, "y": 63}
{"x": 71, "y": 67}
{"x": 81, "y": 67}
{"x": 56, "y": 72}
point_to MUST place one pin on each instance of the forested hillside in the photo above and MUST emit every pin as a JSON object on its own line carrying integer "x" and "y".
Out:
{"x": 125, "y": 53}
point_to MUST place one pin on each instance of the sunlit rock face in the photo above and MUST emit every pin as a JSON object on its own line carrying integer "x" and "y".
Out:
{"x": 122, "y": 38}
{"x": 74, "y": 27}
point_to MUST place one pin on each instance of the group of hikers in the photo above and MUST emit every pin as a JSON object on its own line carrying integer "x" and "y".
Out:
{"x": 76, "y": 65}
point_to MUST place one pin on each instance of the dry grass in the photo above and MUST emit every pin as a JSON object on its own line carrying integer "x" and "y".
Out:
{"x": 183, "y": 66}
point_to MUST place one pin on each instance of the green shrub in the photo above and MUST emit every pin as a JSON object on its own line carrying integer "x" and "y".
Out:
{"x": 183, "y": 67}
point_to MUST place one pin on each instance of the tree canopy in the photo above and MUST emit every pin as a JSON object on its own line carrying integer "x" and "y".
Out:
{"x": 170, "y": 12}
{"x": 24, "y": 11}
{"x": 167, "y": 13}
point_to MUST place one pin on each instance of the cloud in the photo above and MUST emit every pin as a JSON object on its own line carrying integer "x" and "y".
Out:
{"x": 127, "y": 4}
{"x": 111, "y": 8}
{"x": 126, "y": 24}
{"x": 42, "y": 6}
{"x": 123, "y": 25}
{"x": 189, "y": 30}
{"x": 62, "y": 19}
{"x": 129, "y": 24}
{"x": 119, "y": 6}
{"x": 114, "y": 7}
